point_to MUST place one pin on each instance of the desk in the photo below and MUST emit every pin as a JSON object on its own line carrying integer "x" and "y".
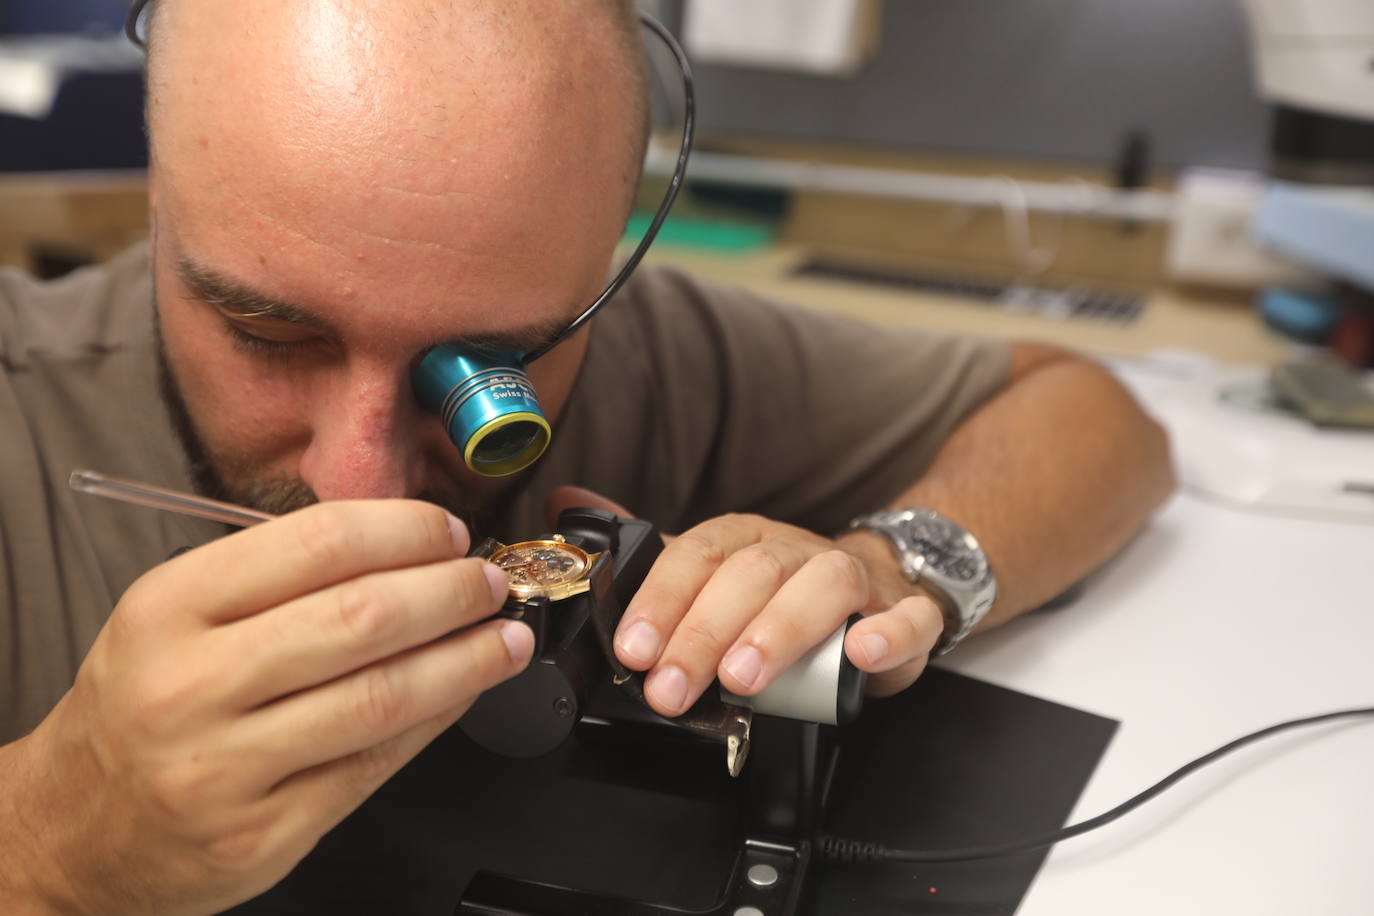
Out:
{"x": 1212, "y": 624}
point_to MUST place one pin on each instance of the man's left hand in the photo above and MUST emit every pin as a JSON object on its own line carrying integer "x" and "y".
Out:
{"x": 741, "y": 598}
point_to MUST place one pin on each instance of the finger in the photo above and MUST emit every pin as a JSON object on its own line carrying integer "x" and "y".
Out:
{"x": 898, "y": 679}
{"x": 579, "y": 498}
{"x": 345, "y": 627}
{"x": 305, "y": 551}
{"x": 804, "y": 612}
{"x": 369, "y": 707}
{"x": 677, "y": 577}
{"x": 742, "y": 587}
{"x": 894, "y": 645}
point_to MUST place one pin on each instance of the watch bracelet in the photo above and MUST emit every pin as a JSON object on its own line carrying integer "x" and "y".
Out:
{"x": 911, "y": 563}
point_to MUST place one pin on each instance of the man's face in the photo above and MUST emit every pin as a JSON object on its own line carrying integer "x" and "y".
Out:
{"x": 326, "y": 212}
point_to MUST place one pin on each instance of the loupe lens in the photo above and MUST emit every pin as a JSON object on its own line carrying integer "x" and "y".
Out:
{"x": 508, "y": 442}
{"x": 511, "y": 443}
{"x": 488, "y": 407}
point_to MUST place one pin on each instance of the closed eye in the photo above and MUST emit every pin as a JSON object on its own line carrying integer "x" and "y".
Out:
{"x": 271, "y": 339}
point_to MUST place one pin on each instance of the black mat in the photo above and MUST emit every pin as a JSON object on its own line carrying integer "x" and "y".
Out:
{"x": 951, "y": 762}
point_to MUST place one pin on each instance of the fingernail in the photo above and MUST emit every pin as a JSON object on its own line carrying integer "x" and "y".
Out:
{"x": 640, "y": 642}
{"x": 461, "y": 538}
{"x": 874, "y": 647}
{"x": 496, "y": 578}
{"x": 519, "y": 640}
{"x": 669, "y": 687}
{"x": 745, "y": 664}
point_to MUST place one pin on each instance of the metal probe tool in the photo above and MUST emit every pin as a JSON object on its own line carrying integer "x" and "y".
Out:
{"x": 142, "y": 494}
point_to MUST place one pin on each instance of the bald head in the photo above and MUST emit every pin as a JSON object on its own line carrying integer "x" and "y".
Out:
{"x": 373, "y": 134}
{"x": 406, "y": 29}
{"x": 424, "y": 66}
{"x": 322, "y": 40}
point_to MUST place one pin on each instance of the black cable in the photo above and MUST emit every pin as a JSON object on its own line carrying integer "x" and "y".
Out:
{"x": 131, "y": 24}
{"x": 838, "y": 849}
{"x": 679, "y": 174}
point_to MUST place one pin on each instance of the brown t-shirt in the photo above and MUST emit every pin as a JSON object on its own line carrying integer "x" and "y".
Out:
{"x": 693, "y": 401}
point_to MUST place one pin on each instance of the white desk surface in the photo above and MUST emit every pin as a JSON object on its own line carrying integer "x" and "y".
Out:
{"x": 1214, "y": 623}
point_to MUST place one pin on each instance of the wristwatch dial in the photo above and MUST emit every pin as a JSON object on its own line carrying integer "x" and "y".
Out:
{"x": 947, "y": 561}
{"x": 541, "y": 567}
{"x": 948, "y": 549}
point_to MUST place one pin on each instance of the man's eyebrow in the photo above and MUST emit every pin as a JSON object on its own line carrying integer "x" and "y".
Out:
{"x": 241, "y": 301}
{"x": 520, "y": 340}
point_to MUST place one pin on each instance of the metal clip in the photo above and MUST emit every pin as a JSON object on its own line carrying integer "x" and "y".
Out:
{"x": 723, "y": 722}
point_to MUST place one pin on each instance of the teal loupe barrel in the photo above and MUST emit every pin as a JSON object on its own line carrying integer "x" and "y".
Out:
{"x": 487, "y": 405}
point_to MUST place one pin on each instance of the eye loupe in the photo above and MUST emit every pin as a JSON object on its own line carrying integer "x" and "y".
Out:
{"x": 487, "y": 405}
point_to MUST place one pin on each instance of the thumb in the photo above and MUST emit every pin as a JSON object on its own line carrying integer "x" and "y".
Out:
{"x": 579, "y": 498}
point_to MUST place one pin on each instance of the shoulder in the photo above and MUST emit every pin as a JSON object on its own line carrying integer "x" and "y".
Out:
{"x": 669, "y": 299}
{"x": 679, "y": 323}
{"x": 687, "y": 321}
{"x": 698, "y": 399}
{"x": 95, "y": 309}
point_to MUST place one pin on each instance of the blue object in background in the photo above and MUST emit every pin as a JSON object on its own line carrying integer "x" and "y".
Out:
{"x": 45, "y": 17}
{"x": 1328, "y": 229}
{"x": 1308, "y": 317}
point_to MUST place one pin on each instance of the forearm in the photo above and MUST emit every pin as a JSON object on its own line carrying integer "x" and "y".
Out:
{"x": 1053, "y": 476}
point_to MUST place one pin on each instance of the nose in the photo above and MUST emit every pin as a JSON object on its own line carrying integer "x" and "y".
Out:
{"x": 365, "y": 438}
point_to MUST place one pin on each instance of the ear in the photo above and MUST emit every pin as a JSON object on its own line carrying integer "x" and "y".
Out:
{"x": 579, "y": 498}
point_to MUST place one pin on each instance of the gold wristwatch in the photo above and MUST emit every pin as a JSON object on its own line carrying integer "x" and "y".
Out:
{"x": 547, "y": 570}
{"x": 552, "y": 568}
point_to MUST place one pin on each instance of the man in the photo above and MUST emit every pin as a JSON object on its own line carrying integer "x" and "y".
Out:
{"x": 337, "y": 187}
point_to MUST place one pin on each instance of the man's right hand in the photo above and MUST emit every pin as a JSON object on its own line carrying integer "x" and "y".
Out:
{"x": 242, "y": 699}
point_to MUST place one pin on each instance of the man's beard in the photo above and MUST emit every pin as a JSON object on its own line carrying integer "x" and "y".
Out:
{"x": 235, "y": 479}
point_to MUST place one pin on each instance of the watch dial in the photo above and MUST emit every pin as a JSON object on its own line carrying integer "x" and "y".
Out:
{"x": 540, "y": 564}
{"x": 948, "y": 549}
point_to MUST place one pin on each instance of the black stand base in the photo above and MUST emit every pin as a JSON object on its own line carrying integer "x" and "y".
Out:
{"x": 766, "y": 876}
{"x": 787, "y": 778}
{"x": 951, "y": 762}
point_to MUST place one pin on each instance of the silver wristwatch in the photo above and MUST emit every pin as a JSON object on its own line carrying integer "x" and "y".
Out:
{"x": 945, "y": 560}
